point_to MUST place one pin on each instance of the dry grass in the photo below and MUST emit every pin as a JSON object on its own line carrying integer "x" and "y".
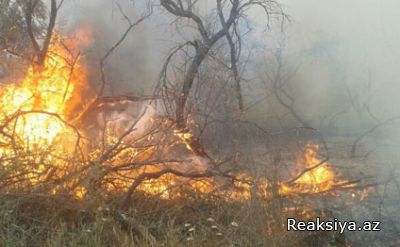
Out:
{"x": 38, "y": 220}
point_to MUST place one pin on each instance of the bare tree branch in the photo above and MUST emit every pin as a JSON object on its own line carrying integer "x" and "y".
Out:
{"x": 41, "y": 52}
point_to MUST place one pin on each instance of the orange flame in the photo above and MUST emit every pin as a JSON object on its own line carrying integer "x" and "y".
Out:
{"x": 318, "y": 176}
{"x": 49, "y": 88}
{"x": 34, "y": 112}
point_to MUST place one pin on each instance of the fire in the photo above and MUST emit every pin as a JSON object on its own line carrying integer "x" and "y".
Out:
{"x": 171, "y": 187}
{"x": 45, "y": 89}
{"x": 184, "y": 137}
{"x": 318, "y": 176}
{"x": 34, "y": 114}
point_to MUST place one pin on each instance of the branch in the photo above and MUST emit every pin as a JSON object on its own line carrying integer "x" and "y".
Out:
{"x": 232, "y": 55}
{"x": 367, "y": 132}
{"x": 119, "y": 42}
{"x": 41, "y": 52}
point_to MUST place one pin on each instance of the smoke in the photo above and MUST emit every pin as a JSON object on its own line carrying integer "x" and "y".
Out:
{"x": 357, "y": 41}
{"x": 345, "y": 50}
{"x": 347, "y": 58}
{"x": 129, "y": 66}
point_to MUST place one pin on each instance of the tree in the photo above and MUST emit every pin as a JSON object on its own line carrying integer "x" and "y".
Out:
{"x": 13, "y": 28}
{"x": 226, "y": 21}
{"x": 278, "y": 79}
{"x": 30, "y": 9}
